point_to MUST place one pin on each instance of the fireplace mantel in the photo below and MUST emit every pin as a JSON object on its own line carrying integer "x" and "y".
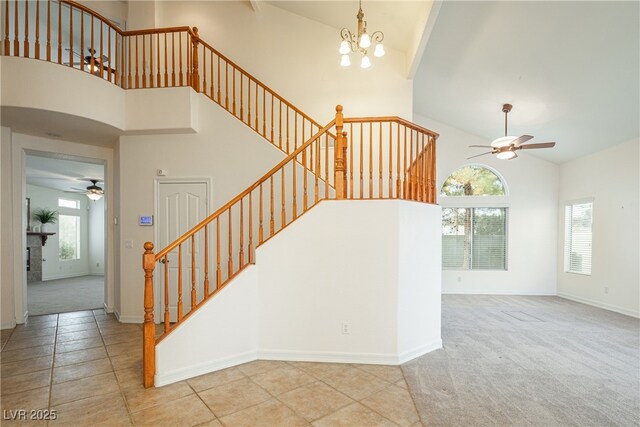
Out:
{"x": 43, "y": 236}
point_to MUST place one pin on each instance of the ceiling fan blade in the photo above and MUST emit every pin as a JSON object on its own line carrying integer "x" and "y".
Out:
{"x": 76, "y": 192}
{"x": 514, "y": 156}
{"x": 79, "y": 189}
{"x": 521, "y": 139}
{"x": 478, "y": 155}
{"x": 540, "y": 145}
{"x": 482, "y": 146}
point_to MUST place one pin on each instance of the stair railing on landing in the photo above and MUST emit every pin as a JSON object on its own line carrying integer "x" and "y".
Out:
{"x": 387, "y": 158}
{"x": 75, "y": 36}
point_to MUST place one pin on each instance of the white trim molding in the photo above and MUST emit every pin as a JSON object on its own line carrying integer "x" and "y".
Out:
{"x": 204, "y": 368}
{"x": 598, "y": 304}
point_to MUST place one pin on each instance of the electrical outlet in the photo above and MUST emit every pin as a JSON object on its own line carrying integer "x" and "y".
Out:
{"x": 98, "y": 264}
{"x": 346, "y": 328}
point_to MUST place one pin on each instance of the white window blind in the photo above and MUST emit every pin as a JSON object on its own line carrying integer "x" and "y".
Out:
{"x": 578, "y": 237}
{"x": 474, "y": 238}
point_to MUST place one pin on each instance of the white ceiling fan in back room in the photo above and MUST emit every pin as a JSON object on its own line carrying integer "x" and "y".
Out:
{"x": 93, "y": 191}
{"x": 506, "y": 146}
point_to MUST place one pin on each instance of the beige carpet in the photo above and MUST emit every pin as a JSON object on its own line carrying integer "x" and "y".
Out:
{"x": 62, "y": 295}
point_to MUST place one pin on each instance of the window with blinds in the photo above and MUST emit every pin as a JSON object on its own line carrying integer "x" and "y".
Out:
{"x": 578, "y": 220}
{"x": 474, "y": 238}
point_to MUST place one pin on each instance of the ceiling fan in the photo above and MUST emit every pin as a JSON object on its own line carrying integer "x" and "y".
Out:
{"x": 93, "y": 191}
{"x": 505, "y": 147}
{"x": 97, "y": 60}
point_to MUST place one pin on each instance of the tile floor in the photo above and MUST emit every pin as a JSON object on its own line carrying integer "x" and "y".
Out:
{"x": 86, "y": 366}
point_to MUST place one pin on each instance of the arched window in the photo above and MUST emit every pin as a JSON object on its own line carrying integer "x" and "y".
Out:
{"x": 474, "y": 220}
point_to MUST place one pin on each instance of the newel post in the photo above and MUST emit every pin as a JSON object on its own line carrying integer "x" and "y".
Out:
{"x": 149, "y": 327}
{"x": 195, "y": 78}
{"x": 340, "y": 154}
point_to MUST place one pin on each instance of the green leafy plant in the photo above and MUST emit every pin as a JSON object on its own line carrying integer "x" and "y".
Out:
{"x": 45, "y": 216}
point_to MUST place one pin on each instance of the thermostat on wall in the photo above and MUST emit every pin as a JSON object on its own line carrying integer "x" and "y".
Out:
{"x": 145, "y": 220}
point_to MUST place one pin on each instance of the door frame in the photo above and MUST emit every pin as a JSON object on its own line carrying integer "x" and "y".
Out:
{"x": 208, "y": 181}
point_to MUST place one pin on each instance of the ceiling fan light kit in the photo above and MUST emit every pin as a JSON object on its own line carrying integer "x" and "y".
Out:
{"x": 506, "y": 146}
{"x": 93, "y": 191}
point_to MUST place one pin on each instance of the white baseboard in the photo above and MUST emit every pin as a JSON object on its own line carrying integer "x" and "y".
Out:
{"x": 176, "y": 375}
{"x": 106, "y": 308}
{"x": 419, "y": 351}
{"x": 492, "y": 292}
{"x": 65, "y": 276}
{"x": 599, "y": 304}
{"x": 329, "y": 357}
{"x": 9, "y": 325}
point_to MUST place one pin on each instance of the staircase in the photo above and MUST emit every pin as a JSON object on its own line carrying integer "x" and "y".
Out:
{"x": 349, "y": 158}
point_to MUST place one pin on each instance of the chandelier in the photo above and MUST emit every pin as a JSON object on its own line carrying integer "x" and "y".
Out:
{"x": 360, "y": 42}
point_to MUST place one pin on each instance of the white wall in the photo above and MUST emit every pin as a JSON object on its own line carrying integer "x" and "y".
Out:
{"x": 96, "y": 237}
{"x": 296, "y": 57}
{"x": 612, "y": 178}
{"x": 53, "y": 268}
{"x": 7, "y": 254}
{"x": 533, "y": 213}
{"x": 334, "y": 265}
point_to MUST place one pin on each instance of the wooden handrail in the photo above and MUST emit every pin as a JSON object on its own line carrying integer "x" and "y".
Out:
{"x": 395, "y": 119}
{"x": 240, "y": 196}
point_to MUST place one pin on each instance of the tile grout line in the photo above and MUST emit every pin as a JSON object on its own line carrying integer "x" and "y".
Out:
{"x": 215, "y": 417}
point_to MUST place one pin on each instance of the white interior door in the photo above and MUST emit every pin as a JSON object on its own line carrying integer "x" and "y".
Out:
{"x": 180, "y": 207}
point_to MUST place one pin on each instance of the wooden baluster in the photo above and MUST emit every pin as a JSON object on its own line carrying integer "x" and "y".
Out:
{"x": 250, "y": 248}
{"x": 241, "y": 97}
{"x": 295, "y": 130}
{"x": 411, "y": 168}
{"x": 16, "y": 42}
{"x": 144, "y": 60}
{"x": 167, "y": 314}
{"x": 149, "y": 327}
{"x": 233, "y": 94}
{"x": 26, "y": 29}
{"x": 193, "y": 272}
{"x": 283, "y": 212}
{"x": 81, "y": 66}
{"x": 423, "y": 194}
{"x": 293, "y": 176}
{"x": 91, "y": 52}
{"x": 7, "y": 42}
{"x": 180, "y": 55}
{"x": 48, "y": 28}
{"x": 361, "y": 159}
{"x": 206, "y": 261}
{"x": 391, "y": 160}
{"x": 432, "y": 158}
{"x": 398, "y": 194}
{"x": 326, "y": 168}
{"x": 204, "y": 70}
{"x": 272, "y": 141}
{"x": 179, "y": 282}
{"x": 218, "y": 269}
{"x": 128, "y": 63}
{"x": 70, "y": 35}
{"x": 371, "y": 160}
{"x": 118, "y": 71}
{"x": 280, "y": 125}
{"x": 151, "y": 74}
{"x": 338, "y": 165}
{"x": 59, "y": 31}
{"x": 230, "y": 260}
{"x": 317, "y": 171}
{"x": 226, "y": 85}
{"x": 101, "y": 51}
{"x": 260, "y": 217}
{"x": 287, "y": 151}
{"x": 248, "y": 102}
{"x": 271, "y": 220}
{"x": 195, "y": 74}
{"x": 212, "y": 76}
{"x": 380, "y": 163}
{"x": 109, "y": 67}
{"x": 257, "y": 112}
{"x": 241, "y": 257}
{"x": 137, "y": 68}
{"x": 37, "y": 46}
{"x": 405, "y": 169}
{"x": 173, "y": 60}
{"x": 188, "y": 54}
{"x": 159, "y": 75}
{"x": 264, "y": 112}
{"x": 304, "y": 180}
{"x": 351, "y": 193}
{"x": 218, "y": 60}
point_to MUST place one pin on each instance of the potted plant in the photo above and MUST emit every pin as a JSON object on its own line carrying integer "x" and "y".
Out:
{"x": 45, "y": 216}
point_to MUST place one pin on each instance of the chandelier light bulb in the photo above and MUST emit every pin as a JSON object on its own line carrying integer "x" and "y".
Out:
{"x": 344, "y": 47}
{"x": 94, "y": 196}
{"x": 506, "y": 155}
{"x": 366, "y": 63}
{"x": 379, "y": 50}
{"x": 345, "y": 61}
{"x": 365, "y": 41}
